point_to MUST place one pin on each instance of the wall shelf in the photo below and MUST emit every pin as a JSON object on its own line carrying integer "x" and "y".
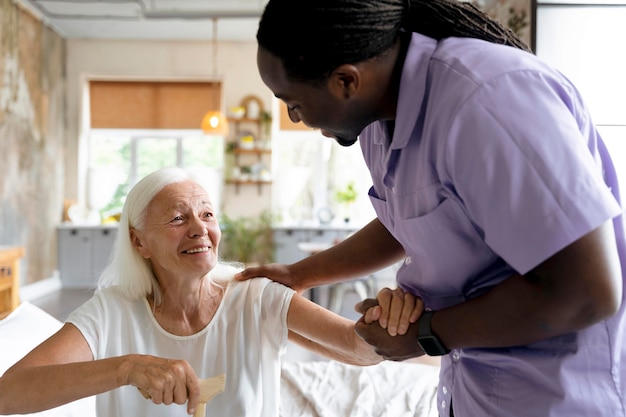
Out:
{"x": 239, "y": 182}
{"x": 252, "y": 162}
{"x": 253, "y": 151}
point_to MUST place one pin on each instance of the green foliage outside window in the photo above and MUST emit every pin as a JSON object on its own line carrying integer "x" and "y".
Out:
{"x": 114, "y": 153}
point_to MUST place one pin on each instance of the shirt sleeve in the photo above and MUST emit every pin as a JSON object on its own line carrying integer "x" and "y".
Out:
{"x": 276, "y": 299}
{"x": 522, "y": 157}
{"x": 88, "y": 319}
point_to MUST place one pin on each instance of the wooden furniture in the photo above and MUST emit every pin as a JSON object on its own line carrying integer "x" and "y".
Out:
{"x": 252, "y": 156}
{"x": 9, "y": 279}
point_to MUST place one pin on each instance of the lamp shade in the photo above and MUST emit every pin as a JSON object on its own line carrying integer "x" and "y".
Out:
{"x": 214, "y": 123}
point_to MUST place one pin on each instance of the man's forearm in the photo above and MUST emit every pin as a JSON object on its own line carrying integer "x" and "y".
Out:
{"x": 368, "y": 250}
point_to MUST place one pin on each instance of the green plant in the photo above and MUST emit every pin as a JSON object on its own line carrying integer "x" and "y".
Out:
{"x": 347, "y": 195}
{"x": 247, "y": 239}
{"x": 266, "y": 122}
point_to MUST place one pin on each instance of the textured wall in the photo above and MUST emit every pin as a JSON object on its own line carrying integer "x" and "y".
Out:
{"x": 32, "y": 130}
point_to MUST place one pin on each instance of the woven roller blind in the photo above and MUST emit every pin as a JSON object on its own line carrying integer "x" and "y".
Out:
{"x": 151, "y": 105}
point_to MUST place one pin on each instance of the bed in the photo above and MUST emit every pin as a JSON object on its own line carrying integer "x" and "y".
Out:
{"x": 308, "y": 389}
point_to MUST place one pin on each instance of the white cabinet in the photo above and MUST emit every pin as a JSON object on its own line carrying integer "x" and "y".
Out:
{"x": 83, "y": 252}
{"x": 286, "y": 240}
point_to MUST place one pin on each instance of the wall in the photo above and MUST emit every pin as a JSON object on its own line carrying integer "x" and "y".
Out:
{"x": 32, "y": 134}
{"x": 236, "y": 67}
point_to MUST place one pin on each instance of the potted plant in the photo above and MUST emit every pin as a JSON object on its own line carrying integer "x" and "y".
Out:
{"x": 346, "y": 197}
{"x": 266, "y": 123}
{"x": 247, "y": 239}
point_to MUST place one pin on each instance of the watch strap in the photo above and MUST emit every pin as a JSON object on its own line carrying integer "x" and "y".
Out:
{"x": 428, "y": 341}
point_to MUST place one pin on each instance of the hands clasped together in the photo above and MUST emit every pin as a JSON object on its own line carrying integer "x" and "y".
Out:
{"x": 389, "y": 323}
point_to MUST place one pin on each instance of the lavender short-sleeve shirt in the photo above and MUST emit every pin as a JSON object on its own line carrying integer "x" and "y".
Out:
{"x": 493, "y": 167}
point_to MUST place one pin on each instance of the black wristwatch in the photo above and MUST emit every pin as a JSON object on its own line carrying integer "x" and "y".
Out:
{"x": 428, "y": 341}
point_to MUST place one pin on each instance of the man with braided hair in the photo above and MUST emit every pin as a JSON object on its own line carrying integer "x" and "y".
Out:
{"x": 490, "y": 182}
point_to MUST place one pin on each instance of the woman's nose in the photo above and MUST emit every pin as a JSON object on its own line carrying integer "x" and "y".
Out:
{"x": 197, "y": 228}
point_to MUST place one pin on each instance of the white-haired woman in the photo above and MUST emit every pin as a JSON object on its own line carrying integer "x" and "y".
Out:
{"x": 166, "y": 314}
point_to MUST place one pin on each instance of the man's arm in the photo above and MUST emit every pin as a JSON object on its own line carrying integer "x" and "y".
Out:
{"x": 368, "y": 250}
{"x": 575, "y": 288}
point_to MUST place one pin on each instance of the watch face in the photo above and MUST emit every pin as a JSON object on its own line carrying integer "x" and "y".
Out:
{"x": 431, "y": 346}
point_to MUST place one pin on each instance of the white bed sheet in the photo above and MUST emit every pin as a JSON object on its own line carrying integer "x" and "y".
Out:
{"x": 308, "y": 389}
{"x": 22, "y": 330}
{"x": 332, "y": 389}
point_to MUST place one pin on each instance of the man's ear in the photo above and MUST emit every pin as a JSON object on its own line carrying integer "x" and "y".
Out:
{"x": 345, "y": 81}
{"x": 135, "y": 240}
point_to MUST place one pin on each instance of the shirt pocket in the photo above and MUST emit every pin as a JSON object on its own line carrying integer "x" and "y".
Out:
{"x": 447, "y": 257}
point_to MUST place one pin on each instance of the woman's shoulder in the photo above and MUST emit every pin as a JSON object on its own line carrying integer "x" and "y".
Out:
{"x": 112, "y": 298}
{"x": 260, "y": 288}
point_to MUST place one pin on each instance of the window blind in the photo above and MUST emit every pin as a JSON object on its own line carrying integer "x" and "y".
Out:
{"x": 151, "y": 104}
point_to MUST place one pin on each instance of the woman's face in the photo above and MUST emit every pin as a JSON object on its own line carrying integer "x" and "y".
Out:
{"x": 181, "y": 233}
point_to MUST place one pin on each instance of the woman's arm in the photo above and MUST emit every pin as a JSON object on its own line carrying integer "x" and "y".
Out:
{"x": 62, "y": 369}
{"x": 368, "y": 250}
{"x": 326, "y": 333}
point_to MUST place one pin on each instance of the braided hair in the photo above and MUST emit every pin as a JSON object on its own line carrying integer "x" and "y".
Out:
{"x": 313, "y": 37}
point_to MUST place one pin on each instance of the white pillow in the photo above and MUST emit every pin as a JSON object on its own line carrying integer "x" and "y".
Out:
{"x": 21, "y": 331}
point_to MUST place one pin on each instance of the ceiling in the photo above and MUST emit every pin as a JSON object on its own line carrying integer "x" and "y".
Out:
{"x": 149, "y": 19}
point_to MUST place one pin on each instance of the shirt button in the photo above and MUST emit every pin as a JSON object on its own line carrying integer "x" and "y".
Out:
{"x": 443, "y": 405}
{"x": 408, "y": 260}
{"x": 445, "y": 390}
{"x": 393, "y": 190}
{"x": 455, "y": 356}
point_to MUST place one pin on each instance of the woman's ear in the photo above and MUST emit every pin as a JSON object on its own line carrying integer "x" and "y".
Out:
{"x": 135, "y": 240}
{"x": 345, "y": 81}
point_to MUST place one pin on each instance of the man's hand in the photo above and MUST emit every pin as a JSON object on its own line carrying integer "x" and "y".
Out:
{"x": 276, "y": 272}
{"x": 394, "y": 310}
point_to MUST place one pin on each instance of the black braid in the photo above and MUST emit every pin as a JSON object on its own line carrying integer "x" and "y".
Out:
{"x": 313, "y": 37}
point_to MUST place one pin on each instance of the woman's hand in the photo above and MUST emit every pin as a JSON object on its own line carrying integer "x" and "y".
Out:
{"x": 395, "y": 348}
{"x": 394, "y": 310}
{"x": 164, "y": 381}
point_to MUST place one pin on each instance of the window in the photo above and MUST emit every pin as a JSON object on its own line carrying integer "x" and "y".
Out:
{"x": 582, "y": 39}
{"x": 120, "y": 158}
{"x": 308, "y": 170}
{"x": 140, "y": 126}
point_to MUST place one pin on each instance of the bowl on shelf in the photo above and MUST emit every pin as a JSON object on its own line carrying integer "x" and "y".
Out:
{"x": 237, "y": 112}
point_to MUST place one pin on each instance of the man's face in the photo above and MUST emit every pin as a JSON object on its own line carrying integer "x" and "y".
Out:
{"x": 315, "y": 106}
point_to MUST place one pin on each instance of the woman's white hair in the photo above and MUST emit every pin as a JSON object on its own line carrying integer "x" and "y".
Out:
{"x": 127, "y": 269}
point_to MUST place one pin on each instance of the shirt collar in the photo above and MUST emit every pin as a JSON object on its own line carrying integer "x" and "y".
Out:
{"x": 412, "y": 87}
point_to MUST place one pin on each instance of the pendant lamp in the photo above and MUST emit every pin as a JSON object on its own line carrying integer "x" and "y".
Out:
{"x": 214, "y": 122}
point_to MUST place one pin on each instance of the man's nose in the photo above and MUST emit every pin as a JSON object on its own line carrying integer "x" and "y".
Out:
{"x": 293, "y": 116}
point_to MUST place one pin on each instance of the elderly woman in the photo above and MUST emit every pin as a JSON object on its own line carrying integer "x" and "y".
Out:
{"x": 167, "y": 314}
